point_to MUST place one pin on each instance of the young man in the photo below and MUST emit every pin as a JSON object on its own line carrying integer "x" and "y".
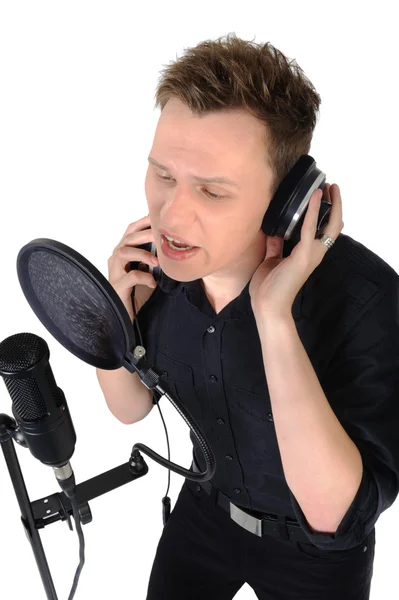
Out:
{"x": 289, "y": 363}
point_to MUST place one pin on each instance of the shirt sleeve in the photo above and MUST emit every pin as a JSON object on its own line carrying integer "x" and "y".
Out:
{"x": 362, "y": 387}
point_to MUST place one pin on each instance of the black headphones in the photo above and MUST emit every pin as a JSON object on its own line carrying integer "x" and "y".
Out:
{"x": 286, "y": 212}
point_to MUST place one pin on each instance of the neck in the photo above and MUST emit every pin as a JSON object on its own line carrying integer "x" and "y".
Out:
{"x": 229, "y": 283}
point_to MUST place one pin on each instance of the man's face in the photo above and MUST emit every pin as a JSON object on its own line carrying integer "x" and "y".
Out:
{"x": 228, "y": 144}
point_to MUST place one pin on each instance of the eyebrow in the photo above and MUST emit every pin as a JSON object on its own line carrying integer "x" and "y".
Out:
{"x": 201, "y": 179}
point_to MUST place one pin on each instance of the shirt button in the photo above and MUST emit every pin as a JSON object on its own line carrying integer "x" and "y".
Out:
{"x": 198, "y": 488}
{"x": 229, "y": 457}
{"x": 213, "y": 378}
{"x": 270, "y": 417}
{"x": 211, "y": 329}
{"x": 164, "y": 373}
{"x": 237, "y": 490}
{"x": 220, "y": 421}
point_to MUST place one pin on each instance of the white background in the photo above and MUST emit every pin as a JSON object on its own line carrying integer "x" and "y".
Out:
{"x": 77, "y": 122}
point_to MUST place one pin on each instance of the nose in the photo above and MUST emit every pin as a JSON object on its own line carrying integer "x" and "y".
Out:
{"x": 177, "y": 208}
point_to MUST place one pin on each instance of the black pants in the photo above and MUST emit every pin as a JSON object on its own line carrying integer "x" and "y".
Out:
{"x": 203, "y": 554}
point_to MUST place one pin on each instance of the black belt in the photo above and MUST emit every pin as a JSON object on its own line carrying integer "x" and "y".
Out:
{"x": 255, "y": 522}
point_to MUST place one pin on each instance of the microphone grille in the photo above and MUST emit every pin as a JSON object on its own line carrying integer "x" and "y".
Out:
{"x": 19, "y": 353}
{"x": 27, "y": 399}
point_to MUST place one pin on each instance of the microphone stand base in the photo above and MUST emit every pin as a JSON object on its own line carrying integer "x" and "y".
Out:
{"x": 49, "y": 509}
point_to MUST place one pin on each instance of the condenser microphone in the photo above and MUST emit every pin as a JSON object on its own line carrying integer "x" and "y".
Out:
{"x": 38, "y": 404}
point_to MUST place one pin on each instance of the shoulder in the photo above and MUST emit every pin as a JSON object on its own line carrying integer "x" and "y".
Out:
{"x": 362, "y": 260}
{"x": 354, "y": 269}
{"x": 349, "y": 281}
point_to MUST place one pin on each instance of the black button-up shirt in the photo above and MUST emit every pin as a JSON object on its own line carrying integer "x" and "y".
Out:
{"x": 346, "y": 316}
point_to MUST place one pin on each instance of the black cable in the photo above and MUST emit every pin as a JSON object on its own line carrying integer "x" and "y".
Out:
{"x": 71, "y": 493}
{"x": 135, "y": 322}
{"x": 69, "y": 488}
{"x": 76, "y": 516}
{"x": 72, "y": 497}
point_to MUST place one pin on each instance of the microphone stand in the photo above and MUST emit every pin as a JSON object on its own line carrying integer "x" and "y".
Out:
{"x": 49, "y": 509}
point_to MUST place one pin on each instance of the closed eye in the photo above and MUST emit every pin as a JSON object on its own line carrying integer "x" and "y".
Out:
{"x": 214, "y": 196}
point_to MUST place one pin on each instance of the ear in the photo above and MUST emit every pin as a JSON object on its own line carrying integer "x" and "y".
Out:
{"x": 274, "y": 246}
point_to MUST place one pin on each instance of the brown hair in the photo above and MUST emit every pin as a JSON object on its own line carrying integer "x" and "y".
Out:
{"x": 234, "y": 73}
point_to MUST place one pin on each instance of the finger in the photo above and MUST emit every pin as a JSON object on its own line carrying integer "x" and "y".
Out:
{"x": 326, "y": 192}
{"x": 312, "y": 213}
{"x": 335, "y": 223}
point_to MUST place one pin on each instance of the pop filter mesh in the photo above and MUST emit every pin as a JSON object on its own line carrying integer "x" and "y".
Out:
{"x": 73, "y": 308}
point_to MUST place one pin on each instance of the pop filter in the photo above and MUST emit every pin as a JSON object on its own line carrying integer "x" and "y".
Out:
{"x": 81, "y": 309}
{"x": 75, "y": 302}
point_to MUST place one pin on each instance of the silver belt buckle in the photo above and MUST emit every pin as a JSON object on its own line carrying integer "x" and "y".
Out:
{"x": 249, "y": 522}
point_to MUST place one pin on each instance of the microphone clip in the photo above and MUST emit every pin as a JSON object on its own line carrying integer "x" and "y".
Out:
{"x": 9, "y": 428}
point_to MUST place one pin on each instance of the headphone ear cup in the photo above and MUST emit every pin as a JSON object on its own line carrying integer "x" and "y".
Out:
{"x": 287, "y": 209}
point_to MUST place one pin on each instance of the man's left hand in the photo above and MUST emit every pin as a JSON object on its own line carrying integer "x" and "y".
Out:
{"x": 277, "y": 280}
